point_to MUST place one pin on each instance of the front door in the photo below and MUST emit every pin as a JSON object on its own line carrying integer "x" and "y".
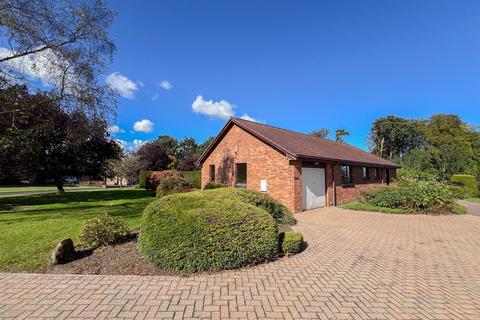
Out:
{"x": 313, "y": 188}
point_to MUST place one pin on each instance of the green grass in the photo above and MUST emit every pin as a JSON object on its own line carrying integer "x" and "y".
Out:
{"x": 368, "y": 207}
{"x": 8, "y": 189}
{"x": 31, "y": 226}
{"x": 361, "y": 206}
{"x": 473, "y": 200}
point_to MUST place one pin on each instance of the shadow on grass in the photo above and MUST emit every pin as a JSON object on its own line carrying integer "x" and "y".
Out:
{"x": 71, "y": 197}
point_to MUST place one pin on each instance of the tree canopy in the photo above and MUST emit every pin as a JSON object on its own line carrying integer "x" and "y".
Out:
{"x": 45, "y": 142}
{"x": 442, "y": 145}
{"x": 63, "y": 44}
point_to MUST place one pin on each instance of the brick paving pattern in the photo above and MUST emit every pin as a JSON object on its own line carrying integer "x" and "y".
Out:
{"x": 358, "y": 265}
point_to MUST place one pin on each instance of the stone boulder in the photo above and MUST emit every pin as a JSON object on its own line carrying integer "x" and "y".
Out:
{"x": 64, "y": 252}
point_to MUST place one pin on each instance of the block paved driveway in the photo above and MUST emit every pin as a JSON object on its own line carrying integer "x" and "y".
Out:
{"x": 358, "y": 265}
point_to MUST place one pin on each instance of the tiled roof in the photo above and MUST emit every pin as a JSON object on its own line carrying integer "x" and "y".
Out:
{"x": 302, "y": 146}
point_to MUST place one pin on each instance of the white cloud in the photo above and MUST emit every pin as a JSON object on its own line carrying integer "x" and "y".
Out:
{"x": 45, "y": 66}
{"x": 165, "y": 84}
{"x": 247, "y": 117}
{"x": 130, "y": 146}
{"x": 155, "y": 97}
{"x": 220, "y": 109}
{"x": 144, "y": 126}
{"x": 124, "y": 86}
{"x": 115, "y": 129}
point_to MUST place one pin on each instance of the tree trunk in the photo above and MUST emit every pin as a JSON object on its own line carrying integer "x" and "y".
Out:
{"x": 59, "y": 184}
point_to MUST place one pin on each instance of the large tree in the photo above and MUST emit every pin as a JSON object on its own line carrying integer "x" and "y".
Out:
{"x": 63, "y": 44}
{"x": 392, "y": 137}
{"x": 46, "y": 142}
{"x": 154, "y": 156}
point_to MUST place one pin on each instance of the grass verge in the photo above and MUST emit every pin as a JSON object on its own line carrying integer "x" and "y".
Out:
{"x": 368, "y": 207}
{"x": 31, "y": 226}
{"x": 477, "y": 200}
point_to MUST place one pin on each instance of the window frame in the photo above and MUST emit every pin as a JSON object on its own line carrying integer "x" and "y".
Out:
{"x": 212, "y": 173}
{"x": 346, "y": 174}
{"x": 376, "y": 173}
{"x": 237, "y": 183}
{"x": 365, "y": 173}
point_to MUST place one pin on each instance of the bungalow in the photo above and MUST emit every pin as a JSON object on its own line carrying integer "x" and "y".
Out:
{"x": 301, "y": 171}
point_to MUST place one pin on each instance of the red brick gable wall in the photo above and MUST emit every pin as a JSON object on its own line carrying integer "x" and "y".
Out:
{"x": 263, "y": 162}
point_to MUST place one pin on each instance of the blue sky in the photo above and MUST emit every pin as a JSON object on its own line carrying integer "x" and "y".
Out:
{"x": 300, "y": 65}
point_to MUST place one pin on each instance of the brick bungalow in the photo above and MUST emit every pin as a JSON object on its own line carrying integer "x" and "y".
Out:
{"x": 301, "y": 171}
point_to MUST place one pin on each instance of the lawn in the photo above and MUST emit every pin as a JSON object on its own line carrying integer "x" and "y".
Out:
{"x": 473, "y": 200}
{"x": 31, "y": 226}
{"x": 26, "y": 188}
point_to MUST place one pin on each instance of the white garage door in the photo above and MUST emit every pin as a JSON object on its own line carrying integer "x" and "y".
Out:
{"x": 313, "y": 188}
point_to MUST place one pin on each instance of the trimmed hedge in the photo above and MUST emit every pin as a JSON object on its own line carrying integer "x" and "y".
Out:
{"x": 193, "y": 177}
{"x": 292, "y": 243}
{"x": 201, "y": 231}
{"x": 469, "y": 183}
{"x": 142, "y": 179}
{"x": 214, "y": 185}
{"x": 278, "y": 211}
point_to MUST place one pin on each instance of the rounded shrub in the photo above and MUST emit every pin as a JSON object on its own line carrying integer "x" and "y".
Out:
{"x": 292, "y": 243}
{"x": 103, "y": 230}
{"x": 155, "y": 177}
{"x": 198, "y": 231}
{"x": 173, "y": 184}
{"x": 278, "y": 211}
{"x": 214, "y": 185}
{"x": 469, "y": 183}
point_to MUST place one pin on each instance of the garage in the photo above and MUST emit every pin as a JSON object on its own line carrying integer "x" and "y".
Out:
{"x": 313, "y": 188}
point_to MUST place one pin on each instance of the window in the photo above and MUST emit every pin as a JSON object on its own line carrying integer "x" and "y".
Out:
{"x": 365, "y": 175}
{"x": 376, "y": 173}
{"x": 241, "y": 174}
{"x": 212, "y": 173}
{"x": 346, "y": 175}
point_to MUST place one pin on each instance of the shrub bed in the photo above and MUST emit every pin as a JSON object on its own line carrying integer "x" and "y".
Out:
{"x": 155, "y": 177}
{"x": 468, "y": 182}
{"x": 292, "y": 243}
{"x": 201, "y": 231}
{"x": 171, "y": 185}
{"x": 278, "y": 211}
{"x": 103, "y": 230}
{"x": 413, "y": 195}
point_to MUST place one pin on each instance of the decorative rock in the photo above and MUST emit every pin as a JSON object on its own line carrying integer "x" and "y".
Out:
{"x": 63, "y": 253}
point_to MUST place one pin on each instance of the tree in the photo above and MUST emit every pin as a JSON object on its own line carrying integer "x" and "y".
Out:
{"x": 321, "y": 133}
{"x": 127, "y": 167}
{"x": 392, "y": 137}
{"x": 51, "y": 142}
{"x": 64, "y": 44}
{"x": 153, "y": 157}
{"x": 339, "y": 134}
{"x": 187, "y": 154}
{"x": 203, "y": 146}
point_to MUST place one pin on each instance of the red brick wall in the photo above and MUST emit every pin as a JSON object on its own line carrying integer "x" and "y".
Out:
{"x": 263, "y": 162}
{"x": 348, "y": 193}
{"x": 284, "y": 177}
